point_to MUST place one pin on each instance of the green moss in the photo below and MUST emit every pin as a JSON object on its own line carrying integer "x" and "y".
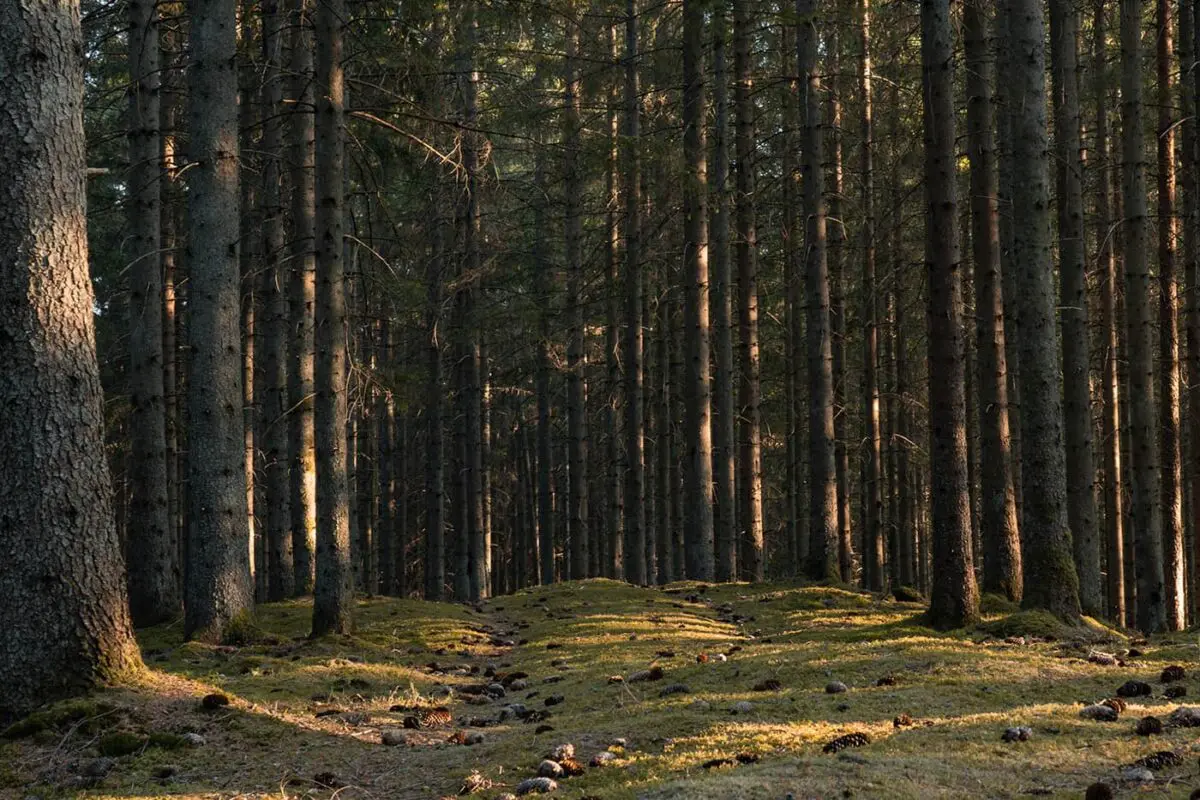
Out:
{"x": 991, "y": 604}
{"x": 57, "y": 718}
{"x": 1030, "y": 623}
{"x": 167, "y": 741}
{"x": 121, "y": 743}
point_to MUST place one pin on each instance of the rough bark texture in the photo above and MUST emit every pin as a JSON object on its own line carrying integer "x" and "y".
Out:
{"x": 954, "y": 600}
{"x": 334, "y": 591}
{"x": 154, "y": 588}
{"x": 998, "y": 512}
{"x": 873, "y": 555}
{"x": 435, "y": 456}
{"x": 751, "y": 554}
{"x": 273, "y": 289}
{"x": 65, "y": 616}
{"x": 1146, "y": 513}
{"x": 1110, "y": 424}
{"x": 219, "y": 589}
{"x": 635, "y": 417}
{"x": 1189, "y": 85}
{"x": 1050, "y": 577}
{"x": 1170, "y": 425}
{"x": 823, "y": 537}
{"x": 1077, "y": 406}
{"x": 614, "y": 561}
{"x": 724, "y": 513}
{"x": 302, "y": 480}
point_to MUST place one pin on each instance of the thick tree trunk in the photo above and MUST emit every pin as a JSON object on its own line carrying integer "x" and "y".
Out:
{"x": 724, "y": 512}
{"x": 614, "y": 561}
{"x": 302, "y": 480}
{"x": 1146, "y": 513}
{"x": 998, "y": 514}
{"x": 219, "y": 590}
{"x": 333, "y": 606}
{"x": 751, "y": 548}
{"x": 1049, "y": 570}
{"x": 954, "y": 600}
{"x": 65, "y": 616}
{"x": 154, "y": 591}
{"x": 1077, "y": 406}
{"x": 822, "y": 484}
{"x": 280, "y": 570}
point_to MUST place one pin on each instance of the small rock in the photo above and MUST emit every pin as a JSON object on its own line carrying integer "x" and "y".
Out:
{"x": 1185, "y": 717}
{"x": 536, "y": 786}
{"x": 1099, "y": 713}
{"x": 554, "y": 700}
{"x": 1021, "y": 733}
{"x": 836, "y": 687}
{"x": 742, "y": 707}
{"x": 519, "y": 685}
{"x": 1149, "y": 726}
{"x": 495, "y": 690}
{"x": 194, "y": 740}
{"x": 1137, "y": 775}
{"x": 549, "y": 769}
{"x": 620, "y": 741}
{"x": 603, "y": 758}
{"x": 392, "y": 737}
{"x": 98, "y": 767}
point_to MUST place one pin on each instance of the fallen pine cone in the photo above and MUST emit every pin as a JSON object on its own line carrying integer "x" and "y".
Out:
{"x": 1149, "y": 726}
{"x": 1134, "y": 689}
{"x": 902, "y": 721}
{"x": 571, "y": 767}
{"x": 748, "y": 758}
{"x": 848, "y": 740}
{"x": 1173, "y": 674}
{"x": 714, "y": 763}
{"x": 1160, "y": 760}
{"x": 769, "y": 685}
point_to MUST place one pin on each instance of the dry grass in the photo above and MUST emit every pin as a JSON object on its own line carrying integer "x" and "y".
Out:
{"x": 962, "y": 689}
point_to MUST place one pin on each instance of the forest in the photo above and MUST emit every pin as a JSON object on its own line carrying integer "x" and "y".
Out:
{"x": 607, "y": 398}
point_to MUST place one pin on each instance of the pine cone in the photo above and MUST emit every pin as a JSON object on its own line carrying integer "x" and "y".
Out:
{"x": 849, "y": 740}
{"x": 1160, "y": 760}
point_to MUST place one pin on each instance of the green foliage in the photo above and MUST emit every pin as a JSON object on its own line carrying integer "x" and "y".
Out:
{"x": 58, "y": 718}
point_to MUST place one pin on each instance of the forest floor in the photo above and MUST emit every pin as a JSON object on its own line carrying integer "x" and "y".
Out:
{"x": 742, "y": 708}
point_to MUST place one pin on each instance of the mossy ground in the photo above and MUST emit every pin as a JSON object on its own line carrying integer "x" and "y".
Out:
{"x": 970, "y": 685}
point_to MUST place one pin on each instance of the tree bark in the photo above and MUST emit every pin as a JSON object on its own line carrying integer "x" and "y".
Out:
{"x": 154, "y": 591}
{"x": 302, "y": 480}
{"x": 1146, "y": 512}
{"x": 823, "y": 529}
{"x": 65, "y": 616}
{"x": 724, "y": 512}
{"x": 219, "y": 588}
{"x": 1049, "y": 570}
{"x": 954, "y": 600}
{"x": 751, "y": 550}
{"x": 635, "y": 418}
{"x": 333, "y": 606}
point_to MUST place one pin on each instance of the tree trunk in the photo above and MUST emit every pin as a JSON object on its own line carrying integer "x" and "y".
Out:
{"x": 65, "y": 618}
{"x": 724, "y": 511}
{"x": 280, "y": 571}
{"x": 333, "y": 604}
{"x": 998, "y": 515}
{"x": 577, "y": 434}
{"x": 302, "y": 480}
{"x": 1049, "y": 571}
{"x": 1189, "y": 88}
{"x": 435, "y": 455}
{"x": 1146, "y": 513}
{"x": 154, "y": 592}
{"x": 751, "y": 555}
{"x": 1168, "y": 331}
{"x": 954, "y": 601}
{"x": 823, "y": 504}
{"x": 385, "y": 432}
{"x": 872, "y": 558}
{"x": 635, "y": 418}
{"x": 219, "y": 589}
{"x": 1110, "y": 425}
{"x": 614, "y": 563}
